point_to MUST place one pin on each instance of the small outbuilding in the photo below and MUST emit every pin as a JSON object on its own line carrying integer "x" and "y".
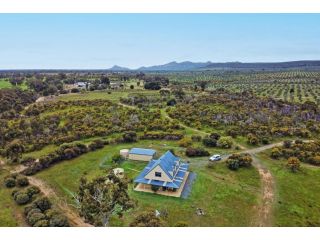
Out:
{"x": 142, "y": 154}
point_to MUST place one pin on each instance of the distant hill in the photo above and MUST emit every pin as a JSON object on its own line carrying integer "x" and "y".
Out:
{"x": 265, "y": 66}
{"x": 236, "y": 66}
{"x": 175, "y": 66}
{"x": 119, "y": 68}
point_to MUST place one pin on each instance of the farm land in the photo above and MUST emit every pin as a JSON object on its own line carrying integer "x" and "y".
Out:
{"x": 250, "y": 112}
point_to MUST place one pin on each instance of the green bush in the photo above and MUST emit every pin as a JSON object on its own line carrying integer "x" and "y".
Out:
{"x": 42, "y": 223}
{"x": 209, "y": 142}
{"x": 22, "y": 181}
{"x": 43, "y": 204}
{"x": 35, "y": 217}
{"x": 117, "y": 158}
{"x": 233, "y": 164}
{"x": 10, "y": 182}
{"x": 196, "y": 152}
{"x": 225, "y": 142}
{"x": 21, "y": 198}
{"x": 235, "y": 161}
{"x": 58, "y": 220}
{"x": 293, "y": 164}
{"x": 185, "y": 142}
{"x": 275, "y": 153}
{"x": 181, "y": 224}
{"x": 32, "y": 190}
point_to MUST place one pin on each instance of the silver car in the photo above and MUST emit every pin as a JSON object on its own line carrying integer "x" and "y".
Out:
{"x": 215, "y": 157}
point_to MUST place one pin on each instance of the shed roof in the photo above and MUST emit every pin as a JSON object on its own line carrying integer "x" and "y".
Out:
{"x": 142, "y": 151}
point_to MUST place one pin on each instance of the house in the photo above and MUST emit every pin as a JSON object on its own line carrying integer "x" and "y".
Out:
{"x": 166, "y": 174}
{"x": 141, "y": 154}
{"x": 115, "y": 85}
{"x": 81, "y": 85}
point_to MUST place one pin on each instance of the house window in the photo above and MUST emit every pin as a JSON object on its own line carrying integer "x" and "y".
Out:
{"x": 158, "y": 174}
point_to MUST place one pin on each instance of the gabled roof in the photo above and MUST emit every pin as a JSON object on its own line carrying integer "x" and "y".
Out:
{"x": 142, "y": 151}
{"x": 167, "y": 162}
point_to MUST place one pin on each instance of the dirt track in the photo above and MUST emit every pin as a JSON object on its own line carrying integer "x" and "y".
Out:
{"x": 74, "y": 219}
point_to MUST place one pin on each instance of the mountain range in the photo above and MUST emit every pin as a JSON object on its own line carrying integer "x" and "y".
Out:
{"x": 237, "y": 66}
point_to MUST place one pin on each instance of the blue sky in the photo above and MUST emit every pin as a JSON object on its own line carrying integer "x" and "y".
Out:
{"x": 134, "y": 40}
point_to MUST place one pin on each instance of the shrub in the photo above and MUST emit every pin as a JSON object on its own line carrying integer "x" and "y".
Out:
{"x": 235, "y": 161}
{"x": 96, "y": 144}
{"x": 32, "y": 191}
{"x": 171, "y": 102}
{"x": 146, "y": 219}
{"x": 252, "y": 139}
{"x": 27, "y": 160}
{"x": 287, "y": 144}
{"x": 209, "y": 142}
{"x": 181, "y": 224}
{"x": 22, "y": 181}
{"x": 215, "y": 136}
{"x": 58, "y": 220}
{"x": 35, "y": 217}
{"x": 275, "y": 153}
{"x": 75, "y": 90}
{"x": 185, "y": 142}
{"x": 42, "y": 223}
{"x": 265, "y": 140}
{"x": 43, "y": 204}
{"x": 315, "y": 160}
{"x": 233, "y": 164}
{"x": 196, "y": 152}
{"x": 155, "y": 188}
{"x": 225, "y": 142}
{"x": 10, "y": 182}
{"x": 129, "y": 137}
{"x": 117, "y": 158}
{"x": 196, "y": 138}
{"x": 293, "y": 164}
{"x": 21, "y": 198}
{"x": 31, "y": 211}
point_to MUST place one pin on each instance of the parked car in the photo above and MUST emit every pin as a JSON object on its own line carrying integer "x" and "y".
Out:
{"x": 215, "y": 157}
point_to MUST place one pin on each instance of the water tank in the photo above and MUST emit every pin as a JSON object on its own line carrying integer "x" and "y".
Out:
{"x": 124, "y": 152}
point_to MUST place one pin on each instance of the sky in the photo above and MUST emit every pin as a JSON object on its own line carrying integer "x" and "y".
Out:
{"x": 99, "y": 41}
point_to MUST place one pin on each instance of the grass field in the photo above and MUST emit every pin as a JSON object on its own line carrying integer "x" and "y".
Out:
{"x": 298, "y": 193}
{"x": 5, "y": 84}
{"x": 228, "y": 198}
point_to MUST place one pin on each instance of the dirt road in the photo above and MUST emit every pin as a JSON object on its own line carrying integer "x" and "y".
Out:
{"x": 73, "y": 217}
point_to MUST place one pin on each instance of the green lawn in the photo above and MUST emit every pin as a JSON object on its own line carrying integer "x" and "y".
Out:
{"x": 5, "y": 84}
{"x": 228, "y": 198}
{"x": 297, "y": 194}
{"x": 10, "y": 213}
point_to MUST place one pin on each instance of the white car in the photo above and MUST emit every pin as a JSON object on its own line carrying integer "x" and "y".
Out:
{"x": 215, "y": 158}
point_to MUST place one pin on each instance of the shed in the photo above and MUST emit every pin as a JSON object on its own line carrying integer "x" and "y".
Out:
{"x": 142, "y": 154}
